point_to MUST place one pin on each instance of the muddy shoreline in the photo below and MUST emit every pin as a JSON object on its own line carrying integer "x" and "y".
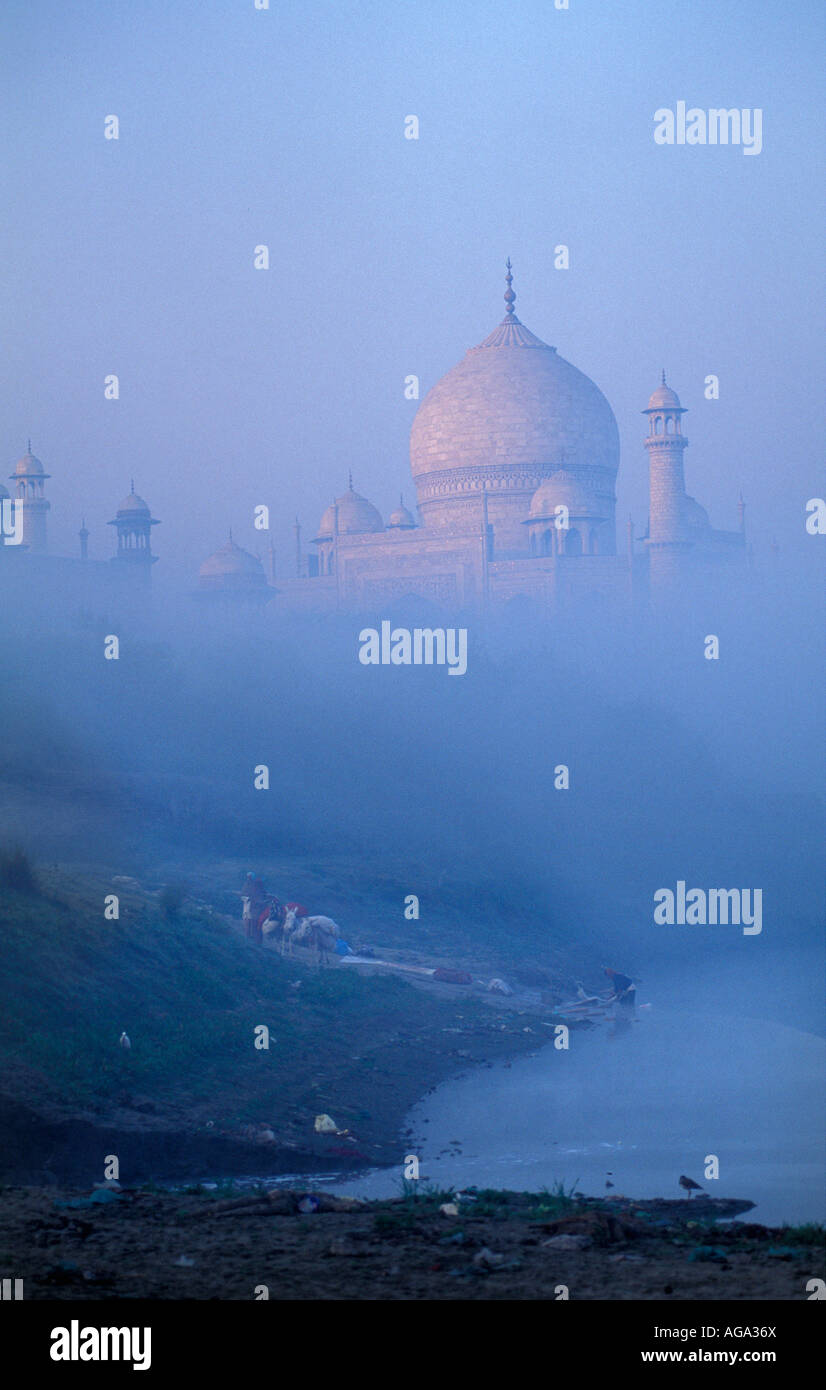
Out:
{"x": 294, "y": 1245}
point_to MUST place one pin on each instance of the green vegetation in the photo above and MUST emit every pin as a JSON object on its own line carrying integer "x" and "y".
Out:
{"x": 811, "y": 1233}
{"x": 503, "y": 1205}
{"x": 422, "y": 1199}
{"x": 189, "y": 991}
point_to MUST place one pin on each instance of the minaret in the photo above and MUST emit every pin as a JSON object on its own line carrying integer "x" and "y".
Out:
{"x": 665, "y": 443}
{"x": 84, "y": 540}
{"x": 134, "y": 523}
{"x": 297, "y": 530}
{"x": 29, "y": 478}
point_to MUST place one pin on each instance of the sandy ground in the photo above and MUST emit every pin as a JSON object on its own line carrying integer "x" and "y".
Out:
{"x": 196, "y": 1245}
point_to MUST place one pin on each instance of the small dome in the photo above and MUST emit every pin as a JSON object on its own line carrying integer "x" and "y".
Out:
{"x": 231, "y": 567}
{"x": 132, "y": 503}
{"x": 355, "y": 516}
{"x": 664, "y": 398}
{"x": 133, "y": 513}
{"x": 401, "y": 518}
{"x": 695, "y": 516}
{"x": 28, "y": 466}
{"x": 565, "y": 489}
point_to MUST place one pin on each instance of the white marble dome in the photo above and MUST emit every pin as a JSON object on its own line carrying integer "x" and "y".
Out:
{"x": 231, "y": 567}
{"x": 355, "y": 515}
{"x": 510, "y": 414}
{"x": 564, "y": 489}
{"x": 401, "y": 518}
{"x": 133, "y": 505}
{"x": 29, "y": 467}
{"x": 664, "y": 398}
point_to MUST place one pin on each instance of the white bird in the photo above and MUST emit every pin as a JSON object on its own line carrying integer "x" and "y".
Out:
{"x": 124, "y": 1042}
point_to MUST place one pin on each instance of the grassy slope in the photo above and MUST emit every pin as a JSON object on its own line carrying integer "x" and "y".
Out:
{"x": 189, "y": 993}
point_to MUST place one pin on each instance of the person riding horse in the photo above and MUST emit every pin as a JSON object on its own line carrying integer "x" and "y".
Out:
{"x": 260, "y": 906}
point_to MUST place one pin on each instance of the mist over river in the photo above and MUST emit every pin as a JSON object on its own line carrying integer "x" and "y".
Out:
{"x": 646, "y": 1107}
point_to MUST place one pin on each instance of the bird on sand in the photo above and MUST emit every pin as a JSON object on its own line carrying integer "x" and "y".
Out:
{"x": 124, "y": 1042}
{"x": 689, "y": 1185}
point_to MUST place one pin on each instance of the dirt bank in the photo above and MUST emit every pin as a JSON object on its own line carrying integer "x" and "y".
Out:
{"x": 500, "y": 1246}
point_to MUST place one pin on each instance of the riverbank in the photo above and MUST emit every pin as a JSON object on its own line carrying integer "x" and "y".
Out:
{"x": 488, "y": 1245}
{"x": 194, "y": 1096}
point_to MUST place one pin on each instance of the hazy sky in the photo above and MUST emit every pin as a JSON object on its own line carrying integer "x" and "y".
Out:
{"x": 286, "y": 127}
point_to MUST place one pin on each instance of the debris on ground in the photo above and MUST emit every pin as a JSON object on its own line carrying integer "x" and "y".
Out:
{"x": 98, "y": 1198}
{"x": 488, "y": 1259}
{"x": 490, "y": 1248}
{"x": 568, "y": 1243}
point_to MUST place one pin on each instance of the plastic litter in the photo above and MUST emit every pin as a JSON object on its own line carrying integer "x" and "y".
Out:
{"x": 708, "y": 1252}
{"x": 488, "y": 1259}
{"x": 99, "y": 1197}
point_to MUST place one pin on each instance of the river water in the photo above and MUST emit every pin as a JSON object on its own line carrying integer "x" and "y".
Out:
{"x": 643, "y": 1107}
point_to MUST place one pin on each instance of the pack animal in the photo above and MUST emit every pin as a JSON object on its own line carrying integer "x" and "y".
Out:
{"x": 319, "y": 933}
{"x": 283, "y": 922}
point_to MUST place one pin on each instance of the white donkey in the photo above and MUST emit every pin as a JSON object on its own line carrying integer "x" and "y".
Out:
{"x": 271, "y": 925}
{"x": 320, "y": 932}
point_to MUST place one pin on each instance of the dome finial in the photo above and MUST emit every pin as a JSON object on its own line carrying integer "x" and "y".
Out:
{"x": 350, "y": 479}
{"x": 132, "y": 489}
{"x": 230, "y": 535}
{"x": 662, "y": 377}
{"x": 510, "y": 296}
{"x": 28, "y": 446}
